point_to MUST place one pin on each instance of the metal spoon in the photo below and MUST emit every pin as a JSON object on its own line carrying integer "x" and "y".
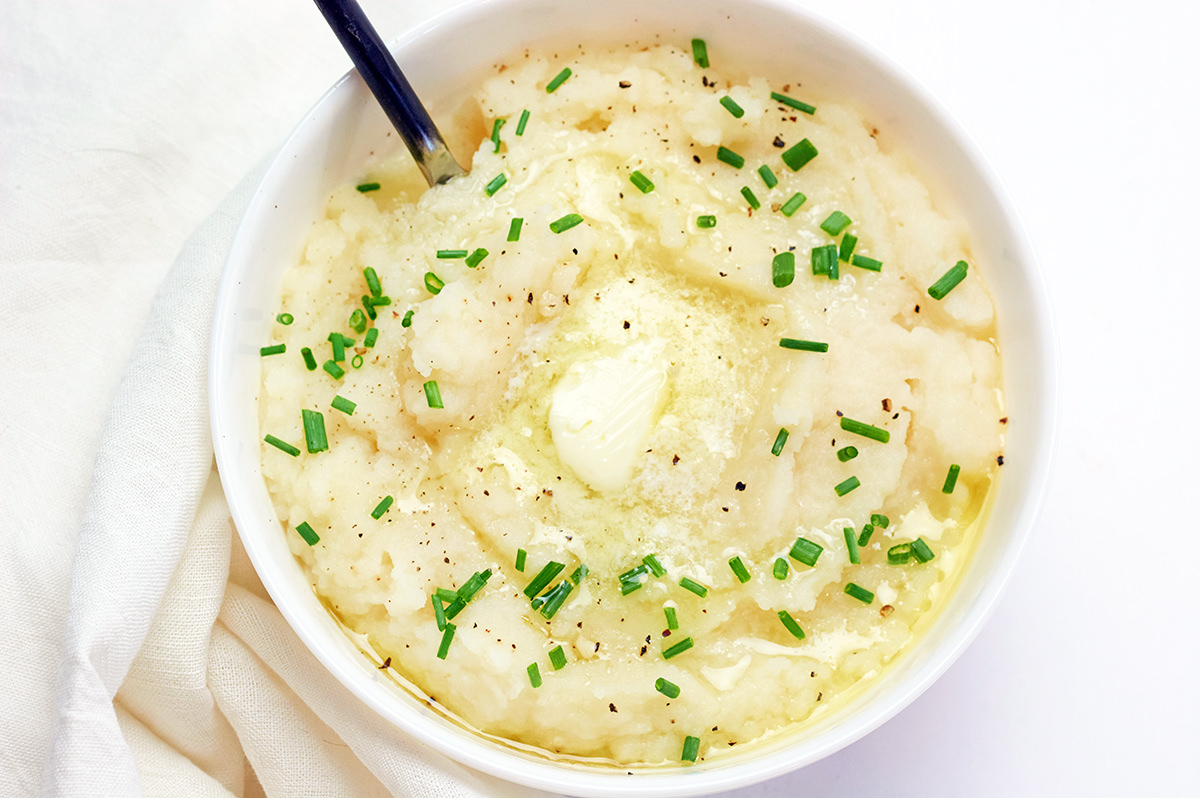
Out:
{"x": 385, "y": 80}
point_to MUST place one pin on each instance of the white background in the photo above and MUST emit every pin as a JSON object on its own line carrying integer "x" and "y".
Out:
{"x": 123, "y": 124}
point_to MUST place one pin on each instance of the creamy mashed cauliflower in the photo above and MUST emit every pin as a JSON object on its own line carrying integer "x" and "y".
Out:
{"x": 584, "y": 461}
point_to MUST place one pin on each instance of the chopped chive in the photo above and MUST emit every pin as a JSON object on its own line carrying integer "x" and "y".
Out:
{"x": 451, "y": 254}
{"x": 783, "y": 269}
{"x": 369, "y": 306}
{"x": 565, "y": 223}
{"x": 691, "y": 749}
{"x": 310, "y": 362}
{"x": 643, "y": 183}
{"x": 285, "y": 319}
{"x": 951, "y": 479}
{"x": 750, "y": 198}
{"x": 333, "y": 369}
{"x": 358, "y": 321}
{"x": 579, "y": 573}
{"x": 780, "y": 439}
{"x": 382, "y": 507}
{"x": 445, "y": 594}
{"x": 376, "y": 301}
{"x": 948, "y": 280}
{"x": 865, "y": 537}
{"x": 783, "y": 99}
{"x": 793, "y": 204}
{"x": 693, "y": 586}
{"x": 726, "y": 155}
{"x": 476, "y": 258}
{"x": 880, "y": 520}
{"x": 371, "y": 337}
{"x": 768, "y": 177}
{"x": 306, "y": 532}
{"x": 631, "y": 580}
{"x": 496, "y": 125}
{"x": 780, "y": 569}
{"x": 825, "y": 261}
{"x": 921, "y": 551}
{"x": 433, "y": 283}
{"x": 548, "y": 572}
{"x": 366, "y": 187}
{"x": 706, "y": 221}
{"x": 447, "y": 638}
{"x": 514, "y": 229}
{"x": 558, "y": 658}
{"x": 654, "y": 565}
{"x": 865, "y": 430}
{"x": 535, "y": 675}
{"x": 802, "y": 345}
{"x": 338, "y": 344}
{"x": 520, "y": 563}
{"x": 524, "y": 120}
{"x": 669, "y": 689}
{"x": 732, "y": 107}
{"x": 806, "y": 551}
{"x": 553, "y": 600}
{"x": 861, "y": 593}
{"x": 373, "y": 284}
{"x": 790, "y": 624}
{"x": 343, "y": 404}
{"x": 282, "y": 446}
{"x": 700, "y": 53}
{"x": 739, "y": 570}
{"x": 870, "y": 264}
{"x": 672, "y": 618}
{"x": 799, "y": 155}
{"x": 474, "y": 584}
{"x": 439, "y": 611}
{"x": 495, "y": 184}
{"x": 851, "y": 544}
{"x": 847, "y": 453}
{"x": 846, "y": 248}
{"x": 433, "y": 395}
{"x": 407, "y": 320}
{"x": 558, "y": 80}
{"x": 275, "y": 349}
{"x": 677, "y": 649}
{"x": 455, "y": 607}
{"x": 845, "y": 486}
{"x": 835, "y": 223}
{"x": 314, "y": 431}
{"x": 899, "y": 554}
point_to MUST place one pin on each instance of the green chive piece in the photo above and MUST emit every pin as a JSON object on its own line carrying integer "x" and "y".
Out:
{"x": 373, "y": 284}
{"x": 780, "y": 439}
{"x": 447, "y": 638}
{"x": 451, "y": 254}
{"x": 700, "y": 53}
{"x": 369, "y": 306}
{"x": 446, "y": 595}
{"x": 514, "y": 229}
{"x": 806, "y": 551}
{"x": 852, "y": 544}
{"x": 333, "y": 369}
{"x": 553, "y": 600}
{"x": 799, "y": 155}
{"x": 870, "y": 264}
{"x": 275, "y": 349}
{"x": 338, "y": 343}
{"x": 366, "y": 187}
{"x": 343, "y": 404}
{"x": 948, "y": 280}
{"x": 282, "y": 446}
{"x": 672, "y": 618}
{"x": 669, "y": 689}
{"x": 558, "y": 658}
{"x": 496, "y": 125}
{"x": 358, "y": 321}
{"x": 382, "y": 507}
{"x": 495, "y": 184}
{"x": 371, "y": 337}
{"x": 846, "y": 454}
{"x": 535, "y": 675}
{"x": 861, "y": 593}
{"x": 845, "y": 486}
{"x": 654, "y": 565}
{"x": 768, "y": 177}
{"x": 407, "y": 320}
{"x": 691, "y": 749}
{"x": 474, "y": 584}
{"x": 693, "y": 586}
{"x": 732, "y": 107}
{"x": 835, "y": 223}
{"x": 565, "y": 223}
{"x": 548, "y": 572}
{"x": 726, "y": 155}
{"x": 310, "y": 362}
{"x": 739, "y": 570}
{"x": 433, "y": 283}
{"x": 314, "y": 431}
{"x": 793, "y": 204}
{"x": 880, "y": 520}
{"x": 455, "y": 607}
{"x": 846, "y": 248}
{"x": 476, "y": 258}
{"x": 631, "y": 580}
{"x": 439, "y": 611}
{"x": 285, "y": 319}
{"x": 951, "y": 479}
{"x": 790, "y": 624}
{"x": 783, "y": 99}
{"x": 899, "y": 554}
{"x": 780, "y": 569}
{"x": 825, "y": 261}
{"x": 865, "y": 430}
{"x": 865, "y": 537}
{"x": 579, "y": 573}
{"x": 521, "y": 557}
{"x": 558, "y": 80}
{"x": 677, "y": 649}
{"x": 705, "y": 222}
{"x": 433, "y": 395}
{"x": 921, "y": 551}
{"x": 306, "y": 532}
{"x": 783, "y": 269}
{"x": 643, "y": 183}
{"x": 524, "y": 120}
{"x": 803, "y": 346}
{"x": 750, "y": 198}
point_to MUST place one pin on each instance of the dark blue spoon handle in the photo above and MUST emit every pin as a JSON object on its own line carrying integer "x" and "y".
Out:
{"x": 385, "y": 80}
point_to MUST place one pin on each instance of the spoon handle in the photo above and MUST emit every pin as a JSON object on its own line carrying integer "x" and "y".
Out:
{"x": 385, "y": 80}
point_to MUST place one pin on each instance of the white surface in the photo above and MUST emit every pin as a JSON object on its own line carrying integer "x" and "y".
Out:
{"x": 123, "y": 130}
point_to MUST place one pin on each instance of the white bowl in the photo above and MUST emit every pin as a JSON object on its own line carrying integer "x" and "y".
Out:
{"x": 442, "y": 58}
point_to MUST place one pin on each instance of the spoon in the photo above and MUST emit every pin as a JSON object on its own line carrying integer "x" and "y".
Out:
{"x": 385, "y": 80}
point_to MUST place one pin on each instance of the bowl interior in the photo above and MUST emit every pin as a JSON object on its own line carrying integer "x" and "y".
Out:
{"x": 442, "y": 59}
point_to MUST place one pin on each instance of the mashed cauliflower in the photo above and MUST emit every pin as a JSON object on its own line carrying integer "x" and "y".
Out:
{"x": 602, "y": 472}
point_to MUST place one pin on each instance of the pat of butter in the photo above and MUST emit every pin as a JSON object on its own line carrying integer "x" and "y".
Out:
{"x": 601, "y": 412}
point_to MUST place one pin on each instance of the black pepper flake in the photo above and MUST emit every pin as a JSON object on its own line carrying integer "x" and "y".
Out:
{"x": 529, "y": 299}
{"x": 387, "y": 663}
{"x": 675, "y": 460}
{"x": 887, "y": 405}
{"x": 643, "y": 652}
{"x": 895, "y": 416}
{"x": 1000, "y": 460}
{"x": 624, "y": 84}
{"x": 916, "y": 309}
{"x": 1004, "y": 420}
{"x": 779, "y": 142}
{"x": 696, "y": 158}
{"x": 740, "y": 486}
{"x": 612, "y": 707}
{"x": 625, "y": 325}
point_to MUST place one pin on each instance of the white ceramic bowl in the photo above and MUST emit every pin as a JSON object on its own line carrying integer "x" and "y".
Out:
{"x": 442, "y": 58}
